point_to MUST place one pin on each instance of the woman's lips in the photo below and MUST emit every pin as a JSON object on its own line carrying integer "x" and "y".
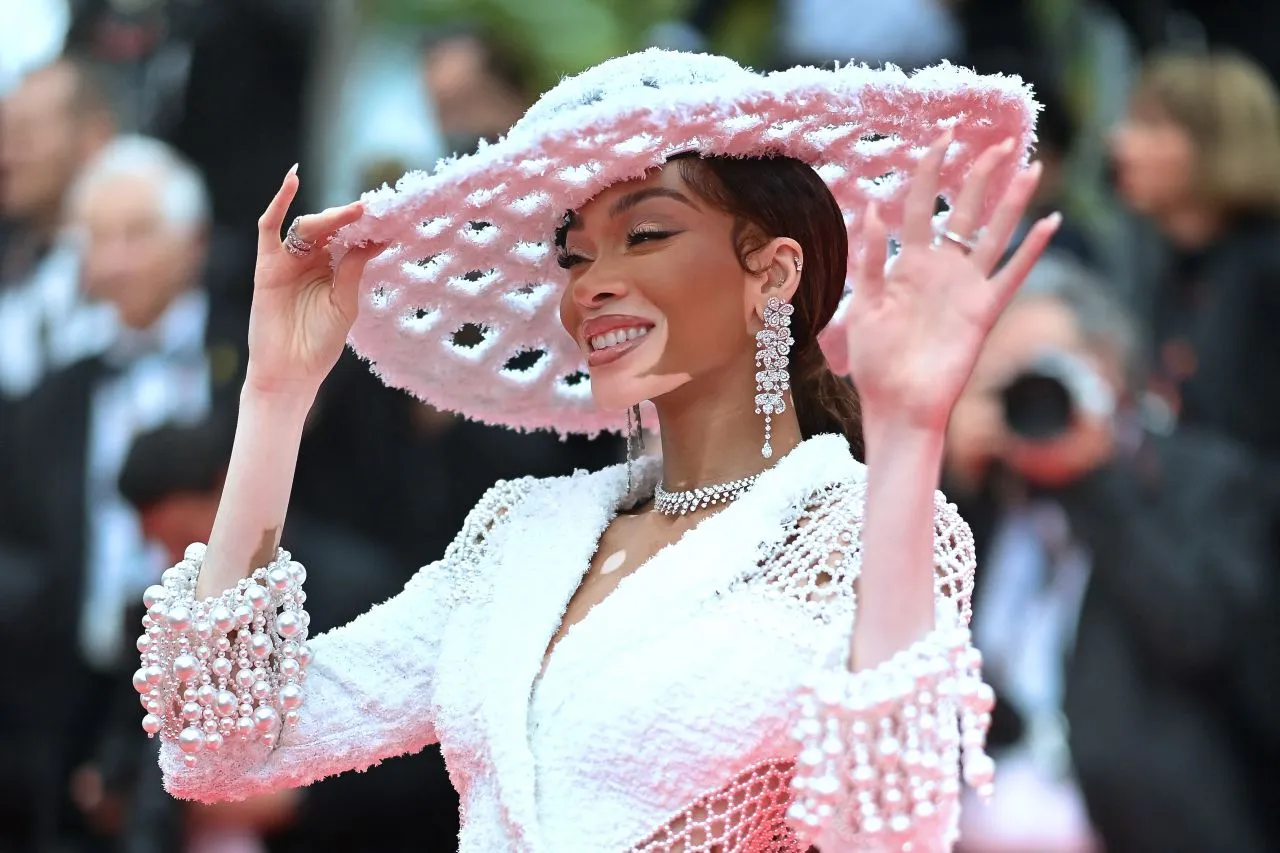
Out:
{"x": 610, "y": 354}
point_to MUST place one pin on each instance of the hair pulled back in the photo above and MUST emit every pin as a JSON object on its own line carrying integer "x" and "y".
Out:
{"x": 783, "y": 197}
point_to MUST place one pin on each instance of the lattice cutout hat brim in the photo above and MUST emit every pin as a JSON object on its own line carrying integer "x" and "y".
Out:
{"x": 462, "y": 309}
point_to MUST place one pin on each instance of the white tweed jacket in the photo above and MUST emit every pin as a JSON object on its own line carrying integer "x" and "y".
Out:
{"x": 663, "y": 720}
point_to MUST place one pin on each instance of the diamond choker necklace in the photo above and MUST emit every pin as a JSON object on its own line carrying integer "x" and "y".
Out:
{"x": 683, "y": 503}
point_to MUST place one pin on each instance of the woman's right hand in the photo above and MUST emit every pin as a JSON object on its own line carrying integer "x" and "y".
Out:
{"x": 302, "y": 308}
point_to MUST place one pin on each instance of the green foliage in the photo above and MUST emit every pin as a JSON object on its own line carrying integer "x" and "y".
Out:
{"x": 555, "y": 37}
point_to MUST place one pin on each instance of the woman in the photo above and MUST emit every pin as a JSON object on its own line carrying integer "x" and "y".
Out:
{"x": 661, "y": 655}
{"x": 1199, "y": 157}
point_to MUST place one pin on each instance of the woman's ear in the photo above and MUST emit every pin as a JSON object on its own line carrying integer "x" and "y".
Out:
{"x": 777, "y": 269}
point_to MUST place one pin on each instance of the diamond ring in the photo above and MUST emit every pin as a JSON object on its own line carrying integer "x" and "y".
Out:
{"x": 296, "y": 245}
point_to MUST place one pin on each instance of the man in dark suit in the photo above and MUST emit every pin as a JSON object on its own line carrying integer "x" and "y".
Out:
{"x": 71, "y": 554}
{"x": 1115, "y": 567}
{"x": 173, "y": 477}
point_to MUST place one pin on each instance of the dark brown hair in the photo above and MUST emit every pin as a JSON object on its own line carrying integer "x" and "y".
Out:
{"x": 782, "y": 197}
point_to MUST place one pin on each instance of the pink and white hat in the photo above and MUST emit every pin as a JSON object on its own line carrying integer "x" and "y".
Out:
{"x": 462, "y": 309}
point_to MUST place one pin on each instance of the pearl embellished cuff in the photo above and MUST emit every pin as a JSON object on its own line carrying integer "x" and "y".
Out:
{"x": 232, "y": 665}
{"x": 881, "y": 749}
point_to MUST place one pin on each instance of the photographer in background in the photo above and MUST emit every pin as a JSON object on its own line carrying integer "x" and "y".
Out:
{"x": 1115, "y": 566}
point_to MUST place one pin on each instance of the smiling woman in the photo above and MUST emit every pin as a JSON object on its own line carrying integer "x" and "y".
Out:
{"x": 674, "y": 640}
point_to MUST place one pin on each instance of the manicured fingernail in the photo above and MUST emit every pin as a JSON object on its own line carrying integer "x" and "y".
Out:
{"x": 1054, "y": 220}
{"x": 293, "y": 170}
{"x": 1006, "y": 146}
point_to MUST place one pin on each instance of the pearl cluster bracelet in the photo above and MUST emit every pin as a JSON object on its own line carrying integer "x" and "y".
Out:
{"x": 228, "y": 666}
{"x": 881, "y": 749}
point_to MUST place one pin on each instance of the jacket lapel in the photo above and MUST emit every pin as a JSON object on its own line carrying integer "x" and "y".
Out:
{"x": 557, "y": 527}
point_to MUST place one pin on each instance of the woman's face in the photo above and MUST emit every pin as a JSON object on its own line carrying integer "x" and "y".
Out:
{"x": 1155, "y": 160}
{"x": 656, "y": 294}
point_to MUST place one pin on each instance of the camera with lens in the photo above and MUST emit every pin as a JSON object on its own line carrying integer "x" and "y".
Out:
{"x": 1042, "y": 401}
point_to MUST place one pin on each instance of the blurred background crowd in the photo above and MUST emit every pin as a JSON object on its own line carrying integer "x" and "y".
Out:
{"x": 1116, "y": 452}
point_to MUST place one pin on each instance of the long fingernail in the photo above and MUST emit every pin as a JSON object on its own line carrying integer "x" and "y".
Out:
{"x": 1053, "y": 220}
{"x": 293, "y": 170}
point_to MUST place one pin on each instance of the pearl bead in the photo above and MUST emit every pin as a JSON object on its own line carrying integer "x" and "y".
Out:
{"x": 191, "y": 740}
{"x": 189, "y": 695}
{"x": 185, "y": 667}
{"x": 298, "y": 571}
{"x": 151, "y": 724}
{"x": 144, "y": 643}
{"x": 244, "y": 614}
{"x": 223, "y": 618}
{"x": 195, "y": 552}
{"x": 260, "y": 646}
{"x": 210, "y": 726}
{"x": 224, "y": 703}
{"x": 304, "y": 654}
{"x": 244, "y": 727}
{"x": 289, "y": 650}
{"x": 244, "y": 678}
{"x": 227, "y": 725}
{"x": 257, "y": 597}
{"x": 279, "y": 578}
{"x": 288, "y": 624}
{"x": 260, "y": 689}
{"x": 979, "y": 769}
{"x": 204, "y": 629}
{"x": 291, "y": 696}
{"x": 178, "y": 619}
{"x": 140, "y": 681}
{"x": 245, "y": 709}
{"x": 289, "y": 667}
{"x": 154, "y": 595}
{"x": 154, "y": 706}
{"x": 268, "y": 739}
{"x": 212, "y": 741}
{"x": 172, "y": 577}
{"x": 206, "y": 694}
{"x": 265, "y": 718}
{"x": 291, "y": 718}
{"x": 190, "y": 760}
{"x": 222, "y": 667}
{"x": 190, "y": 711}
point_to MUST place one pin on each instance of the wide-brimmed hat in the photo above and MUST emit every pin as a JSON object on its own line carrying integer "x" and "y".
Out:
{"x": 462, "y": 309}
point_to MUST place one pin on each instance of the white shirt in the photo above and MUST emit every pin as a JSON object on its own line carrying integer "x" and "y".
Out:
{"x": 1027, "y": 610}
{"x": 164, "y": 377}
{"x": 45, "y": 324}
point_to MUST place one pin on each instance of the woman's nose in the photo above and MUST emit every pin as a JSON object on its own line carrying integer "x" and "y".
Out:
{"x": 597, "y": 286}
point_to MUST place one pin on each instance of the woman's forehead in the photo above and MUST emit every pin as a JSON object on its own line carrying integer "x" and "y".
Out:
{"x": 667, "y": 177}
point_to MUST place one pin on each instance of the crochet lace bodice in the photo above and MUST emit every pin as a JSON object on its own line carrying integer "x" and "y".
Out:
{"x": 663, "y": 721}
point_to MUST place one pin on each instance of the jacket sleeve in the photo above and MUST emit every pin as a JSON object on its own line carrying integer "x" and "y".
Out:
{"x": 258, "y": 707}
{"x": 882, "y": 751}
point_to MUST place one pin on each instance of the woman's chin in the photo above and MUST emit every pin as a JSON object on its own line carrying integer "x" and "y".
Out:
{"x": 614, "y": 393}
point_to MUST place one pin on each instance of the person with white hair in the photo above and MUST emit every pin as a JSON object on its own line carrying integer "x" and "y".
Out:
{"x": 139, "y": 213}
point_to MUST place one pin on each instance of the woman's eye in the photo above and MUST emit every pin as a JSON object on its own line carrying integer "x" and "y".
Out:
{"x": 566, "y": 260}
{"x": 636, "y": 237}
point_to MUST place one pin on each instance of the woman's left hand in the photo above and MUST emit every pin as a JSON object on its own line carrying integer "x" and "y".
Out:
{"x": 914, "y": 335}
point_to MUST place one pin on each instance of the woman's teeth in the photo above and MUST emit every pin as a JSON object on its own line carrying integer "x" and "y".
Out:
{"x": 618, "y": 336}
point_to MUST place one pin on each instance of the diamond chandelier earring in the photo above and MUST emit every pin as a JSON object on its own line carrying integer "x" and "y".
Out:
{"x": 773, "y": 349}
